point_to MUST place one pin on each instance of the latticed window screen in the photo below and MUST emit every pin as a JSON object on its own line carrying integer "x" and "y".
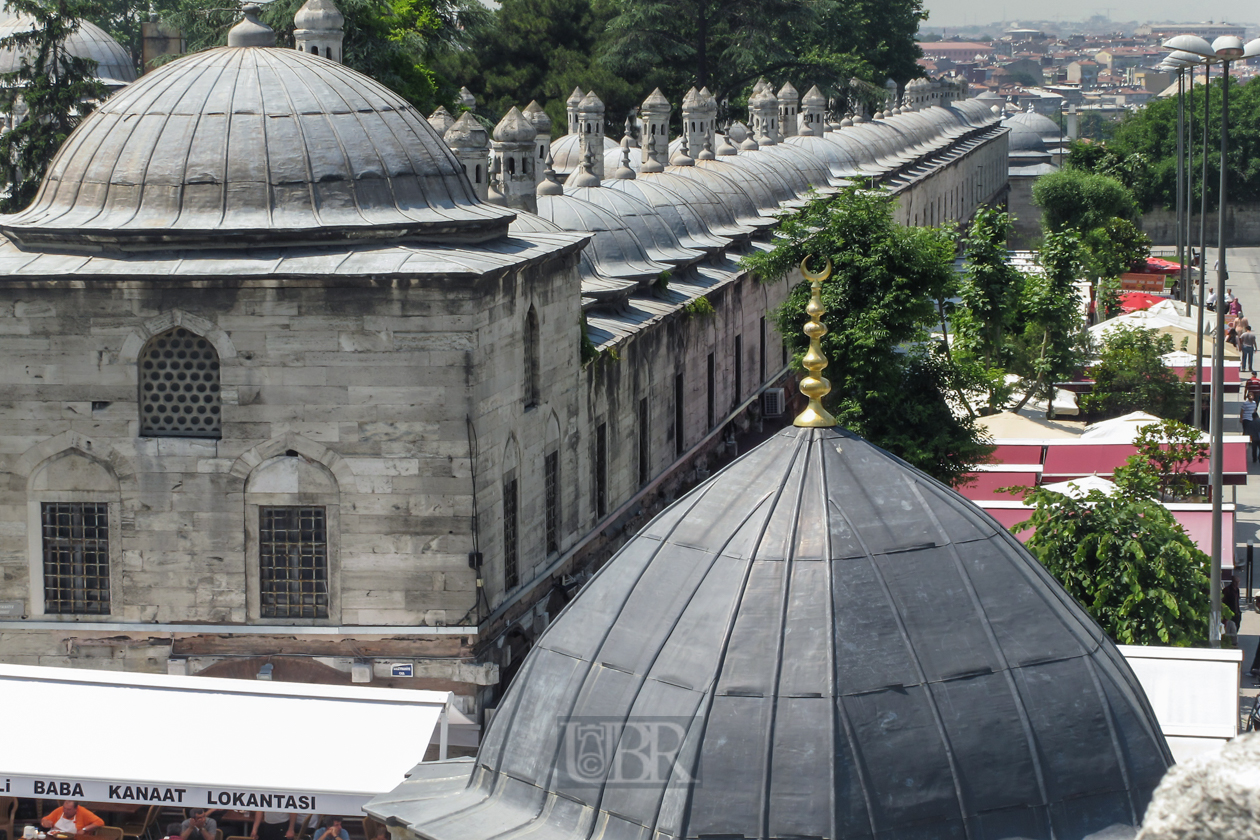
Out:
{"x": 511, "y": 550}
{"x": 76, "y": 557}
{"x": 293, "y": 562}
{"x": 551, "y": 468}
{"x": 179, "y": 386}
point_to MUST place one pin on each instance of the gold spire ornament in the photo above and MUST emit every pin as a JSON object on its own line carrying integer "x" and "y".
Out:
{"x": 815, "y": 386}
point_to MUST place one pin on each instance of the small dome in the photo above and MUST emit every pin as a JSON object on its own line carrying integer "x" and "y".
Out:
{"x": 682, "y": 216}
{"x": 615, "y": 251}
{"x": 566, "y": 152}
{"x": 1025, "y": 139}
{"x": 591, "y": 105}
{"x": 575, "y": 98}
{"x": 815, "y": 98}
{"x": 1045, "y": 127}
{"x": 656, "y": 103}
{"x": 657, "y": 237}
{"x": 836, "y": 647}
{"x": 729, "y": 188}
{"x": 788, "y": 93}
{"x": 113, "y": 64}
{"x": 717, "y": 215}
{"x": 319, "y": 15}
{"x": 241, "y": 145}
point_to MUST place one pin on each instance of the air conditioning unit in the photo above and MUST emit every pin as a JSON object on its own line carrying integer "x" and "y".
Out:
{"x": 773, "y": 402}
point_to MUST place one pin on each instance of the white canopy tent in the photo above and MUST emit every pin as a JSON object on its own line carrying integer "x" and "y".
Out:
{"x": 106, "y": 736}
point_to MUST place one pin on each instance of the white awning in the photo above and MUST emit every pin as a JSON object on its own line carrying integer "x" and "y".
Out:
{"x": 106, "y": 736}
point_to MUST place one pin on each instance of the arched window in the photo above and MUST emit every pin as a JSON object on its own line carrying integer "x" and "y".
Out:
{"x": 533, "y": 377}
{"x": 511, "y": 165}
{"x": 328, "y": 53}
{"x": 478, "y": 173}
{"x": 179, "y": 386}
{"x": 314, "y": 50}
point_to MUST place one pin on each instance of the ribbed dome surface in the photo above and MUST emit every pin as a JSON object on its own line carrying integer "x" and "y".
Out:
{"x": 235, "y": 146}
{"x": 839, "y": 647}
{"x": 113, "y": 63}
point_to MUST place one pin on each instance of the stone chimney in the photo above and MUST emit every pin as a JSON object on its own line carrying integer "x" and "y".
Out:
{"x": 542, "y": 139}
{"x": 514, "y": 149}
{"x": 318, "y": 29}
{"x": 591, "y": 122}
{"x": 471, "y": 145}
{"x": 654, "y": 125}
{"x": 788, "y": 106}
{"x": 571, "y": 107}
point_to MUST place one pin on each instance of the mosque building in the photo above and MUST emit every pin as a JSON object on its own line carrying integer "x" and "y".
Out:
{"x": 296, "y": 376}
{"x": 820, "y": 641}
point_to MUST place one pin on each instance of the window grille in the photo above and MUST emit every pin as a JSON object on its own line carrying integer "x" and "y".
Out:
{"x": 76, "y": 558}
{"x": 179, "y": 386}
{"x": 711, "y": 392}
{"x": 601, "y": 469}
{"x": 293, "y": 562}
{"x": 511, "y": 573}
{"x": 680, "y": 397}
{"x": 551, "y": 467}
{"x": 645, "y": 460}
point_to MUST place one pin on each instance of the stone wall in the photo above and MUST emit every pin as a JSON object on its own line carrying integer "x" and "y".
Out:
{"x": 1242, "y": 226}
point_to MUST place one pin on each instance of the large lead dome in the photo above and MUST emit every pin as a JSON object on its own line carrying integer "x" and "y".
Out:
{"x": 244, "y": 145}
{"x": 846, "y": 648}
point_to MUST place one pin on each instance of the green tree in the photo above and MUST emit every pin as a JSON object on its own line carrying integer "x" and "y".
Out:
{"x": 1081, "y": 201}
{"x": 50, "y": 92}
{"x": 989, "y": 293}
{"x": 541, "y": 50}
{"x": 1160, "y": 468}
{"x": 1131, "y": 376}
{"x": 1051, "y": 346}
{"x": 393, "y": 41}
{"x": 888, "y": 384}
{"x": 1125, "y": 559}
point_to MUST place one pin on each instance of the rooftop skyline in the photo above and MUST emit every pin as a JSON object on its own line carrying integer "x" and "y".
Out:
{"x": 985, "y": 12}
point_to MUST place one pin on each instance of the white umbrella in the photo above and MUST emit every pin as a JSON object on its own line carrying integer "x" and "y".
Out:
{"x": 1119, "y": 429}
{"x": 1079, "y": 488}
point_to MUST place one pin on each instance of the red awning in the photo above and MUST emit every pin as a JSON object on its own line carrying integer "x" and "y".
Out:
{"x": 1077, "y": 460}
{"x": 1160, "y": 266}
{"x": 1198, "y": 524}
{"x": 1018, "y": 453}
{"x": 985, "y": 486}
{"x": 1229, "y": 376}
{"x": 1009, "y": 517}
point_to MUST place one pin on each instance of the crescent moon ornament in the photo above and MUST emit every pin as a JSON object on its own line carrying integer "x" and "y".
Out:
{"x": 815, "y": 278}
{"x": 815, "y": 386}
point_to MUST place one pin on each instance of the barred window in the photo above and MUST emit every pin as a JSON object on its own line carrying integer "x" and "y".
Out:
{"x": 511, "y": 574}
{"x": 179, "y": 386}
{"x": 601, "y": 469}
{"x": 551, "y": 468}
{"x": 293, "y": 562}
{"x": 76, "y": 557}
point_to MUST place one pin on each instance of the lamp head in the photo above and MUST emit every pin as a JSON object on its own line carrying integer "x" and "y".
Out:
{"x": 1185, "y": 57}
{"x": 1252, "y": 48}
{"x": 1228, "y": 47}
{"x": 1191, "y": 44}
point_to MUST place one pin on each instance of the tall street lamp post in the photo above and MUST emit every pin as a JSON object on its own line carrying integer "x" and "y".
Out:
{"x": 1226, "y": 49}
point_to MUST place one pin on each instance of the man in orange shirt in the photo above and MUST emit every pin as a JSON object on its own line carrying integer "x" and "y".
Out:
{"x": 71, "y": 819}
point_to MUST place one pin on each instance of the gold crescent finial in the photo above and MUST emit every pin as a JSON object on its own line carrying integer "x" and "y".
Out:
{"x": 815, "y": 386}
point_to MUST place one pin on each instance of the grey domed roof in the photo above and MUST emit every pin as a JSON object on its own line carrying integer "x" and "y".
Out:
{"x": 657, "y": 237}
{"x": 1024, "y": 138}
{"x": 686, "y": 220}
{"x": 614, "y": 251}
{"x": 827, "y": 644}
{"x": 113, "y": 64}
{"x": 1045, "y": 127}
{"x": 566, "y": 152}
{"x": 237, "y": 145}
{"x": 718, "y": 215}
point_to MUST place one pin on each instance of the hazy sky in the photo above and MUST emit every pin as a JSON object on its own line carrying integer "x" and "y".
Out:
{"x": 964, "y": 12}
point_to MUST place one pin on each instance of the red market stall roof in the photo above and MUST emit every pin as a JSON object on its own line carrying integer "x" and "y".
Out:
{"x": 1229, "y": 375}
{"x": 1195, "y": 518}
{"x": 1070, "y": 460}
{"x": 1133, "y": 301}
{"x": 1019, "y": 453}
{"x": 987, "y": 485}
{"x": 1160, "y": 266}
